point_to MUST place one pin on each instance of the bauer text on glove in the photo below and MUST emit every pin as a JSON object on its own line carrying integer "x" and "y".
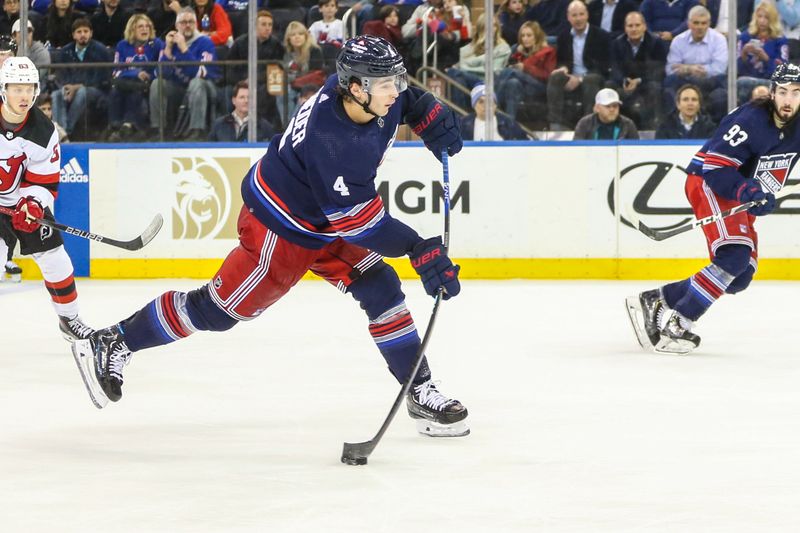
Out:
{"x": 435, "y": 269}
{"x": 26, "y": 211}
{"x": 436, "y": 125}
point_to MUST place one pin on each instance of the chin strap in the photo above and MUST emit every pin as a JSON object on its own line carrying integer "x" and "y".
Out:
{"x": 364, "y": 105}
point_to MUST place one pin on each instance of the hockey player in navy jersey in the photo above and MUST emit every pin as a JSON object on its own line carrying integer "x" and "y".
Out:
{"x": 747, "y": 159}
{"x": 311, "y": 204}
{"x": 29, "y": 174}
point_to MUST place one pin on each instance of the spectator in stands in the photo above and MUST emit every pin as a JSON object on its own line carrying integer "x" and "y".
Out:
{"x": 60, "y": 16}
{"x": 470, "y": 69}
{"x": 45, "y": 104}
{"x": 213, "y": 22}
{"x": 686, "y": 121}
{"x": 163, "y": 14}
{"x": 267, "y": 48}
{"x": 610, "y": 15}
{"x": 511, "y": 16}
{"x": 762, "y": 47}
{"x": 387, "y": 26}
{"x": 473, "y": 126}
{"x": 531, "y": 62}
{"x": 637, "y": 70}
{"x": 698, "y": 56}
{"x": 108, "y": 22}
{"x": 82, "y": 90}
{"x": 449, "y": 40}
{"x": 667, "y": 18}
{"x": 330, "y": 29}
{"x": 582, "y": 57}
{"x": 790, "y": 16}
{"x": 550, "y": 14}
{"x": 233, "y": 127}
{"x": 193, "y": 82}
{"x": 130, "y": 84}
{"x": 40, "y": 7}
{"x": 37, "y": 52}
{"x": 237, "y": 14}
{"x": 9, "y": 15}
{"x": 606, "y": 123}
{"x": 8, "y": 48}
{"x": 759, "y": 92}
{"x": 303, "y": 63}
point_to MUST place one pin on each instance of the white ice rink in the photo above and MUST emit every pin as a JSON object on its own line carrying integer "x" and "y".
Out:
{"x": 573, "y": 428}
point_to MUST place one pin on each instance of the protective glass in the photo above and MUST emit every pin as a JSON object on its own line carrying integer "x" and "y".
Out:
{"x": 385, "y": 85}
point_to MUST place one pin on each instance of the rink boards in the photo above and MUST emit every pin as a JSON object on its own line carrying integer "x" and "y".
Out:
{"x": 519, "y": 210}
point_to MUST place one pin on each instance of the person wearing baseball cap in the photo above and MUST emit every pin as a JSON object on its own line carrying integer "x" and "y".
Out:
{"x": 35, "y": 50}
{"x": 606, "y": 123}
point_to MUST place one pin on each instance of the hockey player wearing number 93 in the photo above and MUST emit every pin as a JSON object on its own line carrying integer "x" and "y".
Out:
{"x": 31, "y": 165}
{"x": 748, "y": 159}
{"x": 311, "y": 204}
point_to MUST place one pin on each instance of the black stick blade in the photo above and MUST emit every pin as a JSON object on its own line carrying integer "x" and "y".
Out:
{"x": 357, "y": 453}
{"x": 141, "y": 241}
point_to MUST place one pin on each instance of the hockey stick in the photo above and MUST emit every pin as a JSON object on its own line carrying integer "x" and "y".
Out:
{"x": 357, "y": 453}
{"x": 657, "y": 235}
{"x": 133, "y": 244}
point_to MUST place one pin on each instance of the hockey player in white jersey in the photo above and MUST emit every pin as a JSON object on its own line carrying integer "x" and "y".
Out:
{"x": 30, "y": 163}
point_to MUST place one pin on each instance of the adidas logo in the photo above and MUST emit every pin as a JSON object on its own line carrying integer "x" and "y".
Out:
{"x": 73, "y": 173}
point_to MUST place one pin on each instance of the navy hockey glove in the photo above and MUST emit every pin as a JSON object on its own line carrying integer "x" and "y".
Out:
{"x": 27, "y": 207}
{"x": 429, "y": 259}
{"x": 436, "y": 125}
{"x": 750, "y": 191}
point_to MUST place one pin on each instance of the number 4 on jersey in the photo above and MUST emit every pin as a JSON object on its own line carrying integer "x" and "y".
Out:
{"x": 340, "y": 187}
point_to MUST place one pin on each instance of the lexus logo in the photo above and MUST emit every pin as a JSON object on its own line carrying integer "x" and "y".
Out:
{"x": 655, "y": 189}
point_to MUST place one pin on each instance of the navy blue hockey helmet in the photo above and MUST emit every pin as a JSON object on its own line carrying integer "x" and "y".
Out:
{"x": 784, "y": 74}
{"x": 373, "y": 62}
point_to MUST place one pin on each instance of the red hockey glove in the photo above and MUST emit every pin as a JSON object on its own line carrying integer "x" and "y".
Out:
{"x": 429, "y": 259}
{"x": 27, "y": 209}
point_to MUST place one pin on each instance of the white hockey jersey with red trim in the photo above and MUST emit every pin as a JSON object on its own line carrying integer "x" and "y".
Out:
{"x": 30, "y": 161}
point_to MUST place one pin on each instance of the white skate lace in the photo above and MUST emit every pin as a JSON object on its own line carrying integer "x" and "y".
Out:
{"x": 80, "y": 329}
{"x": 119, "y": 357}
{"x": 428, "y": 395}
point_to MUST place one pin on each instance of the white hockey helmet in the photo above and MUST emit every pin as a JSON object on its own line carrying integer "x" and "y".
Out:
{"x": 18, "y": 70}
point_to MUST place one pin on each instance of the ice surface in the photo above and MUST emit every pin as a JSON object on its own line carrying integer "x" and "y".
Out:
{"x": 573, "y": 427}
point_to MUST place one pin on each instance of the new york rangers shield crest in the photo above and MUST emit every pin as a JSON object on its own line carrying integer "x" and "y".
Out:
{"x": 772, "y": 170}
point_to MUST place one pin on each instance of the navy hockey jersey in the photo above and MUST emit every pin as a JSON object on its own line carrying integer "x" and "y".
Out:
{"x": 747, "y": 144}
{"x": 316, "y": 183}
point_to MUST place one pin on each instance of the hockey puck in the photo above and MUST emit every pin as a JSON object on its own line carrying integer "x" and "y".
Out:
{"x": 354, "y": 460}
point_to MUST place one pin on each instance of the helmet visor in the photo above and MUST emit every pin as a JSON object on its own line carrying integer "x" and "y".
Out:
{"x": 386, "y": 85}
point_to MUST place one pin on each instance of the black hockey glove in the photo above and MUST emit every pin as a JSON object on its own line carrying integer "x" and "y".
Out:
{"x": 429, "y": 259}
{"x": 750, "y": 191}
{"x": 436, "y": 125}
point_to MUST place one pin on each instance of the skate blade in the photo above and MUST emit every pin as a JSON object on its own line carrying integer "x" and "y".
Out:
{"x": 434, "y": 429}
{"x": 634, "y": 308}
{"x": 84, "y": 358}
{"x": 674, "y": 346}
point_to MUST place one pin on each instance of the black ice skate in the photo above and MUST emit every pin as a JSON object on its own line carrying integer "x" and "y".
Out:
{"x": 645, "y": 312}
{"x": 13, "y": 272}
{"x": 436, "y": 414}
{"x": 676, "y": 336}
{"x": 73, "y": 329}
{"x": 100, "y": 359}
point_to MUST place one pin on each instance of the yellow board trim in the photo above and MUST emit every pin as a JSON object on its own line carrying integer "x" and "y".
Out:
{"x": 572, "y": 268}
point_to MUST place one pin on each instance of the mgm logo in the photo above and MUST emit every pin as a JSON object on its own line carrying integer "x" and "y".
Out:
{"x": 207, "y": 201}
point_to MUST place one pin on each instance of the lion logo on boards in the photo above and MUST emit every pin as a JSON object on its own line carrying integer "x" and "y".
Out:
{"x": 204, "y": 206}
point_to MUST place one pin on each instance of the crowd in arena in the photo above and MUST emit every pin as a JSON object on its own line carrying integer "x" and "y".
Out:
{"x": 606, "y": 69}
